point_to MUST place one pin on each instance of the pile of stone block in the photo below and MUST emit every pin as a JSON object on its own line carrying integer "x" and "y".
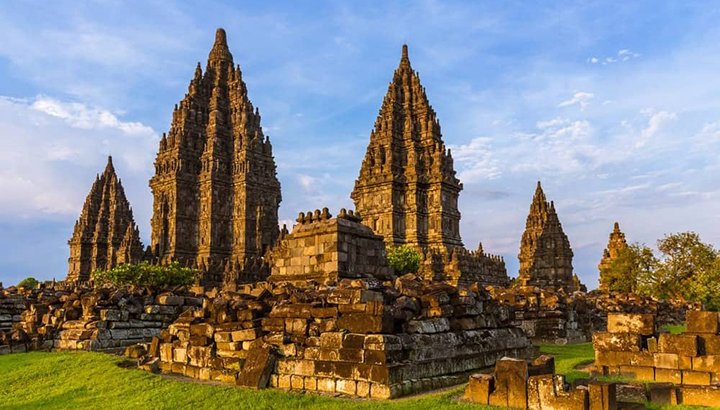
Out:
{"x": 12, "y": 304}
{"x": 534, "y": 385}
{"x": 689, "y": 362}
{"x": 76, "y": 317}
{"x": 360, "y": 337}
{"x": 546, "y": 315}
{"x": 599, "y": 303}
{"x": 460, "y": 266}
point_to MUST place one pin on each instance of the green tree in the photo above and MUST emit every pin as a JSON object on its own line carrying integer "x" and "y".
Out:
{"x": 28, "y": 283}
{"x": 624, "y": 272}
{"x": 404, "y": 259}
{"x": 687, "y": 270}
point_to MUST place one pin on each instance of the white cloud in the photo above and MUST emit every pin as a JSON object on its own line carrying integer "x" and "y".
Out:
{"x": 621, "y": 56}
{"x": 657, "y": 121}
{"x": 475, "y": 160}
{"x": 580, "y": 98}
{"x": 54, "y": 148}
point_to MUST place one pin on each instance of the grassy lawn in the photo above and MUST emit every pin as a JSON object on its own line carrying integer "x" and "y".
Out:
{"x": 86, "y": 380}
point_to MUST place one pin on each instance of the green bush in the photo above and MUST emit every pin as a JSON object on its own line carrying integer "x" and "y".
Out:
{"x": 29, "y": 283}
{"x": 146, "y": 274}
{"x": 404, "y": 259}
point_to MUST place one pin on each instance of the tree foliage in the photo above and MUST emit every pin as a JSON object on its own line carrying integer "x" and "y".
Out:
{"x": 146, "y": 274}
{"x": 404, "y": 259}
{"x": 29, "y": 283}
{"x": 624, "y": 272}
{"x": 688, "y": 270}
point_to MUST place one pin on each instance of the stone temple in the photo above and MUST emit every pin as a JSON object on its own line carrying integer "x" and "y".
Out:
{"x": 545, "y": 254}
{"x": 215, "y": 190}
{"x": 105, "y": 235}
{"x": 616, "y": 243}
{"x": 407, "y": 190}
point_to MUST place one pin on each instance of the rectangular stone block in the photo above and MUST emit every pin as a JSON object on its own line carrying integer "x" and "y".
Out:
{"x": 695, "y": 377}
{"x": 638, "y": 372}
{"x": 701, "y": 322}
{"x": 246, "y": 334}
{"x": 667, "y": 360}
{"x": 699, "y": 395}
{"x": 684, "y": 345}
{"x": 623, "y": 342}
{"x": 706, "y": 363}
{"x": 664, "y": 394}
{"x": 345, "y": 386}
{"x": 611, "y": 358}
{"x": 668, "y": 376}
{"x": 257, "y": 368}
{"x": 479, "y": 388}
{"x": 363, "y": 323}
{"x": 602, "y": 396}
{"x": 643, "y": 324}
{"x": 326, "y": 384}
{"x": 511, "y": 377}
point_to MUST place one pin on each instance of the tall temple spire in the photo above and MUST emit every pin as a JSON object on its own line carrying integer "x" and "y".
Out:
{"x": 616, "y": 244}
{"x": 215, "y": 188}
{"x": 105, "y": 235}
{"x": 545, "y": 253}
{"x": 407, "y": 190}
{"x": 408, "y": 165}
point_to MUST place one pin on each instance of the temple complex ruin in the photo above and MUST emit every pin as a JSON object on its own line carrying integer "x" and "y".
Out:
{"x": 407, "y": 190}
{"x": 105, "y": 235}
{"x": 215, "y": 190}
{"x": 616, "y": 243}
{"x": 545, "y": 254}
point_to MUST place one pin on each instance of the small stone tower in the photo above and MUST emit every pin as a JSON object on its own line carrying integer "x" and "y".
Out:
{"x": 105, "y": 235}
{"x": 215, "y": 190}
{"x": 545, "y": 254}
{"x": 616, "y": 243}
{"x": 407, "y": 191}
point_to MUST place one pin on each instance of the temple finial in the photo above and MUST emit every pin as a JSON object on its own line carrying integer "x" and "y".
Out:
{"x": 405, "y": 52}
{"x": 221, "y": 37}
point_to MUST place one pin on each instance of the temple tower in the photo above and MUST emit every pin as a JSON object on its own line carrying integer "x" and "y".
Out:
{"x": 105, "y": 235}
{"x": 407, "y": 191}
{"x": 215, "y": 189}
{"x": 545, "y": 253}
{"x": 616, "y": 243}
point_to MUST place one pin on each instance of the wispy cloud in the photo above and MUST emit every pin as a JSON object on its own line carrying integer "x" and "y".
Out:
{"x": 580, "y": 98}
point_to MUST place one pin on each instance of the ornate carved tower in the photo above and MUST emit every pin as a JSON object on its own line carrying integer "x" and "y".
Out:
{"x": 105, "y": 235}
{"x": 545, "y": 254}
{"x": 407, "y": 190}
{"x": 215, "y": 189}
{"x": 616, "y": 243}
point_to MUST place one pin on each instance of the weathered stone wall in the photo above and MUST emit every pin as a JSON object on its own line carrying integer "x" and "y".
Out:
{"x": 547, "y": 316}
{"x": 361, "y": 338}
{"x": 12, "y": 304}
{"x": 322, "y": 249}
{"x": 72, "y": 318}
{"x": 460, "y": 266}
{"x": 688, "y": 363}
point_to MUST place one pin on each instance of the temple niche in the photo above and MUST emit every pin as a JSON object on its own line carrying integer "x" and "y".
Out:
{"x": 545, "y": 253}
{"x": 616, "y": 243}
{"x": 215, "y": 190}
{"x": 407, "y": 190}
{"x": 105, "y": 235}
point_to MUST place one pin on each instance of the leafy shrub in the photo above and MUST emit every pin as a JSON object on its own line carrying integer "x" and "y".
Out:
{"x": 28, "y": 283}
{"x": 146, "y": 274}
{"x": 404, "y": 259}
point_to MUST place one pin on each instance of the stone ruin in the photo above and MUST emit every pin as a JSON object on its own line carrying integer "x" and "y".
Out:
{"x": 355, "y": 333}
{"x": 685, "y": 367}
{"x": 85, "y": 318}
{"x": 324, "y": 249}
{"x": 678, "y": 369}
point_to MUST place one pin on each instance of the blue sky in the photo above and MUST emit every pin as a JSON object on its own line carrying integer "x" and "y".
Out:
{"x": 615, "y": 106}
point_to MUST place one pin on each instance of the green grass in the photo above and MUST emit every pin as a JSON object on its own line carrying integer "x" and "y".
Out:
{"x": 87, "y": 380}
{"x": 675, "y": 329}
{"x": 568, "y": 357}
